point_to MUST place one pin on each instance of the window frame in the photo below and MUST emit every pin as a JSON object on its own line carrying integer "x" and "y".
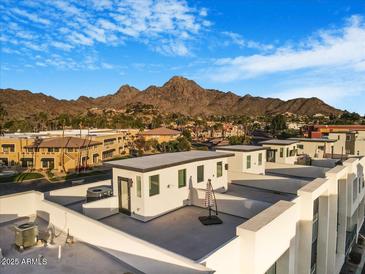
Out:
{"x": 139, "y": 186}
{"x": 200, "y": 179}
{"x": 219, "y": 169}
{"x": 184, "y": 178}
{"x": 150, "y": 185}
{"x": 248, "y": 162}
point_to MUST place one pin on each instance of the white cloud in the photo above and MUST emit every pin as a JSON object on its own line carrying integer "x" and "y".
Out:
{"x": 203, "y": 12}
{"x": 343, "y": 47}
{"x": 173, "y": 48}
{"x": 166, "y": 26}
{"x": 237, "y": 39}
{"x": 61, "y": 45}
{"x": 107, "y": 66}
{"x": 30, "y": 16}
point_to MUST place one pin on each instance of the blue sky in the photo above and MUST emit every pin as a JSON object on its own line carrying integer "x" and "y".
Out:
{"x": 278, "y": 48}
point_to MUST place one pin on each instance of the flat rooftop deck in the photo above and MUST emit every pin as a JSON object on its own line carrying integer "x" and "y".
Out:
{"x": 180, "y": 231}
{"x": 242, "y": 148}
{"x": 78, "y": 258}
{"x": 300, "y": 172}
{"x": 276, "y": 184}
{"x": 258, "y": 194}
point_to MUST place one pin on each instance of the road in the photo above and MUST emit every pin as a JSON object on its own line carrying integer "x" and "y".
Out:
{"x": 43, "y": 185}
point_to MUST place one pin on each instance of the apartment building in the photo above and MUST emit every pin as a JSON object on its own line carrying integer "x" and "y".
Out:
{"x": 162, "y": 182}
{"x": 288, "y": 219}
{"x": 251, "y": 159}
{"x": 161, "y": 134}
{"x": 281, "y": 151}
{"x": 351, "y": 143}
{"x": 350, "y": 138}
{"x": 316, "y": 147}
{"x": 64, "y": 150}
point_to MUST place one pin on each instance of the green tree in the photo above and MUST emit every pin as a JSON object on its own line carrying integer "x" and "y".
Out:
{"x": 3, "y": 113}
{"x": 278, "y": 123}
{"x": 236, "y": 140}
{"x": 183, "y": 144}
{"x": 187, "y": 134}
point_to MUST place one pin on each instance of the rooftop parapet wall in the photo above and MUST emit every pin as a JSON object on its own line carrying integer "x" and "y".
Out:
{"x": 14, "y": 206}
{"x": 315, "y": 188}
{"x": 101, "y": 208}
{"x": 142, "y": 255}
{"x": 299, "y": 171}
{"x": 267, "y": 236}
{"x": 72, "y": 194}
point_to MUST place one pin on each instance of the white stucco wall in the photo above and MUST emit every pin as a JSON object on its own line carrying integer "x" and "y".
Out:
{"x": 72, "y": 194}
{"x": 238, "y": 163}
{"x": 101, "y": 208}
{"x": 142, "y": 255}
{"x": 315, "y": 149}
{"x": 226, "y": 259}
{"x": 360, "y": 143}
{"x": 265, "y": 238}
{"x": 339, "y": 146}
{"x": 170, "y": 196}
{"x": 285, "y": 159}
{"x": 14, "y": 206}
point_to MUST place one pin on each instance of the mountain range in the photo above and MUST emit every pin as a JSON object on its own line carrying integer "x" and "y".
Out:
{"x": 179, "y": 95}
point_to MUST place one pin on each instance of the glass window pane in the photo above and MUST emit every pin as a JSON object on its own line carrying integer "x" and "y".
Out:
{"x": 354, "y": 190}
{"x": 154, "y": 185}
{"x": 260, "y": 159}
{"x": 200, "y": 174}
{"x": 248, "y": 162}
{"x": 219, "y": 169}
{"x": 139, "y": 186}
{"x": 182, "y": 177}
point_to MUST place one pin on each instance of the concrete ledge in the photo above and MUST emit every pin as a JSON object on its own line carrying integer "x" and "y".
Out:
{"x": 265, "y": 217}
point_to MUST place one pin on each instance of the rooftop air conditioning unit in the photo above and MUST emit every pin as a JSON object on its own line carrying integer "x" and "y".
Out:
{"x": 98, "y": 192}
{"x": 26, "y": 235}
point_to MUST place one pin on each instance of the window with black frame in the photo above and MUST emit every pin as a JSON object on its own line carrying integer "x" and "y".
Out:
{"x": 314, "y": 236}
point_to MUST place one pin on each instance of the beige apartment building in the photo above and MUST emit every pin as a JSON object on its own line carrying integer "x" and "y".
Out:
{"x": 350, "y": 143}
{"x": 316, "y": 147}
{"x": 67, "y": 150}
{"x": 160, "y": 134}
{"x": 281, "y": 151}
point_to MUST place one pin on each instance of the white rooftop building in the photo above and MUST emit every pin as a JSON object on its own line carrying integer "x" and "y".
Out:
{"x": 279, "y": 218}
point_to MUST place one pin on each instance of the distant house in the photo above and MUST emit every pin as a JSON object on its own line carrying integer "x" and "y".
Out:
{"x": 68, "y": 153}
{"x": 281, "y": 151}
{"x": 315, "y": 147}
{"x": 161, "y": 134}
{"x": 64, "y": 150}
